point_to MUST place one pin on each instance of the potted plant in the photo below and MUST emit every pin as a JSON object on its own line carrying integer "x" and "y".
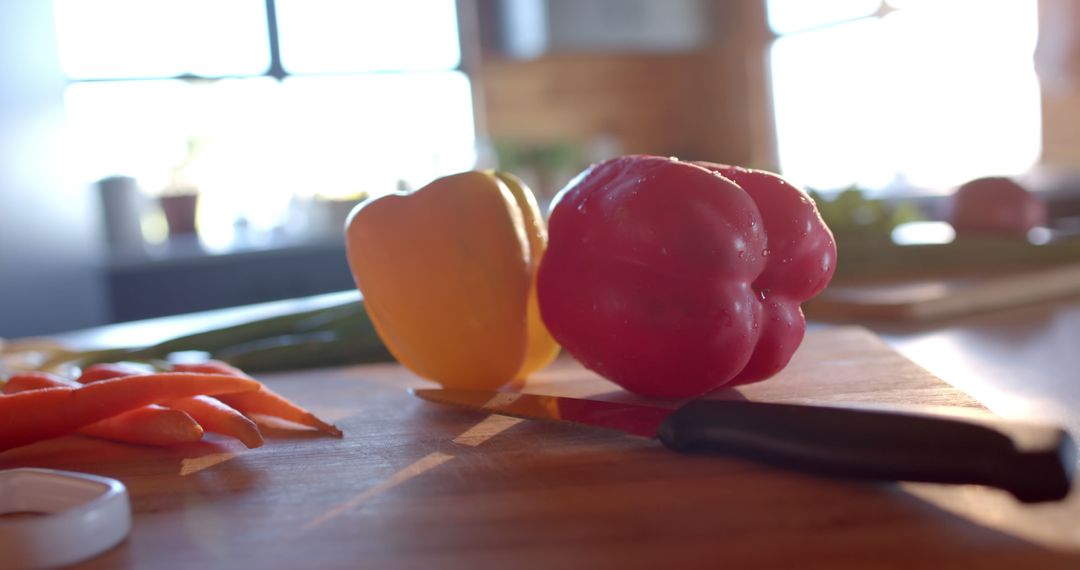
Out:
{"x": 180, "y": 197}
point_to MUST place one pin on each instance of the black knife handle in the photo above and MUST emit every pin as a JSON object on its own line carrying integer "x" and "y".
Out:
{"x": 1034, "y": 463}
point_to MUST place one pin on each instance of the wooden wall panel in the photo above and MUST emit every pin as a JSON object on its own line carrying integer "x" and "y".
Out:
{"x": 714, "y": 103}
{"x": 705, "y": 104}
{"x": 1057, "y": 60}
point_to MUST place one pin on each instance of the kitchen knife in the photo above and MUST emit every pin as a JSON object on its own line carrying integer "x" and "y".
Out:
{"x": 1033, "y": 462}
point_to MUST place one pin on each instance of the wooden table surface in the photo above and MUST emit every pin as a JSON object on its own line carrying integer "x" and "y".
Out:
{"x": 416, "y": 485}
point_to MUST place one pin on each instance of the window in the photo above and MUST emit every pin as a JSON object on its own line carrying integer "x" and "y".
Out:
{"x": 261, "y": 103}
{"x": 904, "y": 94}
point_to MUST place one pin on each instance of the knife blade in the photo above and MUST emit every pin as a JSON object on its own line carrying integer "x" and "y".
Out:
{"x": 1035, "y": 463}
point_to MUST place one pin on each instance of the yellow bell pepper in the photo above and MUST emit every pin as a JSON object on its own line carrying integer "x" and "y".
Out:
{"x": 448, "y": 275}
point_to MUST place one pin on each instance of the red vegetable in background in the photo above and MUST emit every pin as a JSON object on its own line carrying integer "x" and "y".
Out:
{"x": 996, "y": 206}
{"x": 673, "y": 279}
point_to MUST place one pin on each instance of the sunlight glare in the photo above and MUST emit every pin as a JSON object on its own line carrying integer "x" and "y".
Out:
{"x": 928, "y": 96}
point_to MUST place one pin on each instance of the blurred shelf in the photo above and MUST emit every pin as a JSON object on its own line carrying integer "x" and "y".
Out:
{"x": 184, "y": 278}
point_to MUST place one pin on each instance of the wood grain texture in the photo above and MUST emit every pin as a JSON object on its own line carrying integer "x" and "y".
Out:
{"x": 416, "y": 485}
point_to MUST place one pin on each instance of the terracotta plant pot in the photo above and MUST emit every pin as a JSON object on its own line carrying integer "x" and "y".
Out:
{"x": 179, "y": 210}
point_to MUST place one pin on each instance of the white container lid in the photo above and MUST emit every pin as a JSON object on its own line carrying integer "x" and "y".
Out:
{"x": 71, "y": 517}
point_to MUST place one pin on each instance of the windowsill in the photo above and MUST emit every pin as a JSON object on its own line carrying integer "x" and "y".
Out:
{"x": 184, "y": 276}
{"x": 191, "y": 250}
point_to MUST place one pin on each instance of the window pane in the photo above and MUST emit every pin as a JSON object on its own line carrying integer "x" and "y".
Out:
{"x": 787, "y": 16}
{"x": 146, "y": 129}
{"x": 259, "y": 143}
{"x": 142, "y": 128}
{"x": 826, "y": 103}
{"x": 970, "y": 103}
{"x": 370, "y": 133}
{"x": 165, "y": 38}
{"x": 926, "y": 97}
{"x": 330, "y": 36}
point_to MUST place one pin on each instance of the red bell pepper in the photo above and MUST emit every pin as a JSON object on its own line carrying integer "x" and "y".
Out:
{"x": 673, "y": 279}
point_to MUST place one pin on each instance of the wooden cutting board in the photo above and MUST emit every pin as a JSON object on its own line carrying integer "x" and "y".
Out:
{"x": 924, "y": 298}
{"x": 417, "y": 485}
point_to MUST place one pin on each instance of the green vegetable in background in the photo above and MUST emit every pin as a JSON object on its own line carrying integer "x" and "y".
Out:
{"x": 853, "y": 216}
{"x": 329, "y": 336}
